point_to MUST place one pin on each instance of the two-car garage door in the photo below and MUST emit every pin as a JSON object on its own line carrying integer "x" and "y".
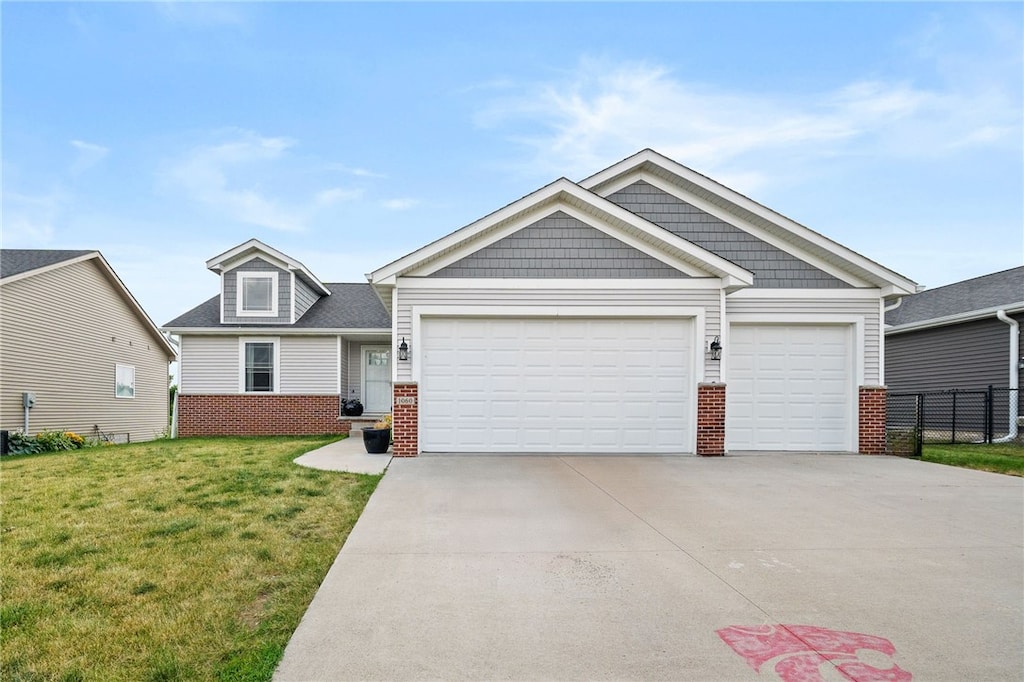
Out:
{"x": 566, "y": 384}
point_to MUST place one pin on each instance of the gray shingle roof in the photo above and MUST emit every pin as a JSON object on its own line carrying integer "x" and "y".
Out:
{"x": 350, "y": 306}
{"x": 16, "y": 261}
{"x": 980, "y": 293}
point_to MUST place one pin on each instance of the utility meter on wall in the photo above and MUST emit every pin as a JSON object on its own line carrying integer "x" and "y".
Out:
{"x": 28, "y": 399}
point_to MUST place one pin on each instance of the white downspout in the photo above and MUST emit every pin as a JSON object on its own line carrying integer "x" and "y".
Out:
{"x": 1014, "y": 376}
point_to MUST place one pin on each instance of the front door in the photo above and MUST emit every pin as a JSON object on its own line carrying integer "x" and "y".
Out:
{"x": 377, "y": 378}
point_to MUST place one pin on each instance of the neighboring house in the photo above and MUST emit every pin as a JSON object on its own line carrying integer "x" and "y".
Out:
{"x": 73, "y": 336}
{"x": 953, "y": 337}
{"x": 646, "y": 309}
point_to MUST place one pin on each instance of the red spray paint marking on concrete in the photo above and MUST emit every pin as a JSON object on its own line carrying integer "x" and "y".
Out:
{"x": 803, "y": 649}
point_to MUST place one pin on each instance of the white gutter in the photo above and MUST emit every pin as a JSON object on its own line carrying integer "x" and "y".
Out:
{"x": 1014, "y": 374}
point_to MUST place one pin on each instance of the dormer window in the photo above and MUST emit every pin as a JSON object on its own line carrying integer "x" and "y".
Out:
{"x": 257, "y": 294}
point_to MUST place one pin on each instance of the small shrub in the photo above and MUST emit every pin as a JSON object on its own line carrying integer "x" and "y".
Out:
{"x": 45, "y": 441}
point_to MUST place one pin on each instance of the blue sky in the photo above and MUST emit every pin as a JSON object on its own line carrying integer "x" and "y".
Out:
{"x": 348, "y": 134}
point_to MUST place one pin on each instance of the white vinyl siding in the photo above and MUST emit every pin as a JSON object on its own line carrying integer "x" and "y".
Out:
{"x": 556, "y": 384}
{"x": 865, "y": 308}
{"x": 707, "y": 299}
{"x": 308, "y": 365}
{"x": 208, "y": 365}
{"x": 62, "y": 334}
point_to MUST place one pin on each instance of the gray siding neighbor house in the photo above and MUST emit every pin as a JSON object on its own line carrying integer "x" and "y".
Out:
{"x": 645, "y": 309}
{"x": 74, "y": 337}
{"x": 954, "y": 337}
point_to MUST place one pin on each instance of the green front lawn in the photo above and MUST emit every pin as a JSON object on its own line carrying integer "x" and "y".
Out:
{"x": 1006, "y": 458}
{"x": 188, "y": 559}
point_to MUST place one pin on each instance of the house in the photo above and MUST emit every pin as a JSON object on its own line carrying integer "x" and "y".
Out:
{"x": 954, "y": 337}
{"x": 645, "y": 309}
{"x": 79, "y": 348}
{"x": 277, "y": 350}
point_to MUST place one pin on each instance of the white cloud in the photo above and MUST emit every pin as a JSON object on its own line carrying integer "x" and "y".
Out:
{"x": 205, "y": 174}
{"x": 89, "y": 154}
{"x": 201, "y": 14}
{"x": 30, "y": 221}
{"x": 600, "y": 113}
{"x": 400, "y": 204}
{"x": 334, "y": 195}
{"x": 358, "y": 172}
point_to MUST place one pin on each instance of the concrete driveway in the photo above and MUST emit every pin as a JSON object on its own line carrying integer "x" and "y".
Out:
{"x": 674, "y": 568}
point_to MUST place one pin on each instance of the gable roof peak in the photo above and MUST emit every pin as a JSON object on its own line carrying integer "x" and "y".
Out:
{"x": 247, "y": 249}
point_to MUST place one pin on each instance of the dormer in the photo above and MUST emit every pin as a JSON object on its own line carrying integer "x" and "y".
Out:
{"x": 259, "y": 285}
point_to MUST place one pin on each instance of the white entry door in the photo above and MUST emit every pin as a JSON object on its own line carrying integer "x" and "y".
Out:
{"x": 377, "y": 378}
{"x": 550, "y": 385}
{"x": 790, "y": 387}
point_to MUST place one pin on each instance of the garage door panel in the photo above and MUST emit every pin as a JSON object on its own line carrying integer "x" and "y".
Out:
{"x": 790, "y": 387}
{"x": 563, "y": 385}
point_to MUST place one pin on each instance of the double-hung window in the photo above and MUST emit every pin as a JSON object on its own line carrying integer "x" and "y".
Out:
{"x": 259, "y": 365}
{"x": 257, "y": 294}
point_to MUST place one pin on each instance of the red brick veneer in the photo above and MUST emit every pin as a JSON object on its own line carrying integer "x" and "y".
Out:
{"x": 871, "y": 436}
{"x": 711, "y": 420}
{"x": 259, "y": 415}
{"x": 406, "y": 424}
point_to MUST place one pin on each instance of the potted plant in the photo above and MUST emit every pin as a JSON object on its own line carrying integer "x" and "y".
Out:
{"x": 377, "y": 439}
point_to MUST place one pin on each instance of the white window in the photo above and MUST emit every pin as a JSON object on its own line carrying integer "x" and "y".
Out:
{"x": 258, "y": 365}
{"x": 257, "y": 294}
{"x": 124, "y": 381}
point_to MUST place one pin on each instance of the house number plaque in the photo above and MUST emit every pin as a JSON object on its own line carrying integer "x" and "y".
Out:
{"x": 405, "y": 400}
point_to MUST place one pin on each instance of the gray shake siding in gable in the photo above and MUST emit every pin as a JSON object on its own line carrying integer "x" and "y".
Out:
{"x": 559, "y": 246}
{"x": 284, "y": 294}
{"x": 772, "y": 267}
{"x": 304, "y": 297}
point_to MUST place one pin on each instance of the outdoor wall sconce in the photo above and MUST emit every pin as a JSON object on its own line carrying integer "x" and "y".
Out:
{"x": 403, "y": 350}
{"x": 715, "y": 348}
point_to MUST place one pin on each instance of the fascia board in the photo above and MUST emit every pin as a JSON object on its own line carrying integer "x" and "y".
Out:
{"x": 464, "y": 234}
{"x": 275, "y": 331}
{"x": 612, "y": 219}
{"x": 958, "y": 318}
{"x": 132, "y": 302}
{"x": 50, "y": 267}
{"x": 882, "y": 276}
{"x": 241, "y": 254}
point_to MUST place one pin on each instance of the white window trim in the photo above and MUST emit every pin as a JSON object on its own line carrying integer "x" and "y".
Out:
{"x": 276, "y": 341}
{"x": 240, "y": 293}
{"x": 117, "y": 371}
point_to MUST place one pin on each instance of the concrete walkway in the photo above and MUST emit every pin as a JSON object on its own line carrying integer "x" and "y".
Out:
{"x": 762, "y": 567}
{"x": 348, "y": 455}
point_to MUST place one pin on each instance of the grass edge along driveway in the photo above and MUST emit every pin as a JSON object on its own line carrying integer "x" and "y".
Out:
{"x": 168, "y": 560}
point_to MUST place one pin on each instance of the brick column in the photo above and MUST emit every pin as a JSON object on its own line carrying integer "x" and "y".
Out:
{"x": 406, "y": 424}
{"x": 711, "y": 420}
{"x": 871, "y": 436}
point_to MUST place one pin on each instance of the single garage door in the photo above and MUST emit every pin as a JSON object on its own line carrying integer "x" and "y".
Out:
{"x": 558, "y": 385}
{"x": 790, "y": 387}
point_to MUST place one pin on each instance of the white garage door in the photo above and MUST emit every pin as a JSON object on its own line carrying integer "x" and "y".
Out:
{"x": 556, "y": 385}
{"x": 789, "y": 388}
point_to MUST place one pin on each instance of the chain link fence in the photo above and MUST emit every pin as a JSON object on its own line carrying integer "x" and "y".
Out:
{"x": 990, "y": 415}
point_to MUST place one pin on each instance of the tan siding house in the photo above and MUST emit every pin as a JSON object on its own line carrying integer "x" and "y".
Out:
{"x": 74, "y": 336}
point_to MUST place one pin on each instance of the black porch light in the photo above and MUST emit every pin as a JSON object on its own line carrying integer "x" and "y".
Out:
{"x": 715, "y": 348}
{"x": 403, "y": 350}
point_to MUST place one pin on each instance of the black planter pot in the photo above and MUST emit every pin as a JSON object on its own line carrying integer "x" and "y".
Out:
{"x": 376, "y": 441}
